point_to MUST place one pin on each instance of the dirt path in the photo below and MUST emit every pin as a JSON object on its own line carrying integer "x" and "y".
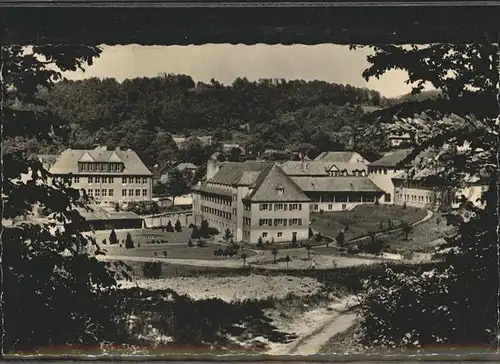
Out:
{"x": 316, "y": 327}
{"x": 313, "y": 344}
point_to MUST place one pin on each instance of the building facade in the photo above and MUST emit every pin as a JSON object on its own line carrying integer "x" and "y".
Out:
{"x": 107, "y": 176}
{"x": 333, "y": 186}
{"x": 253, "y": 200}
{"x": 382, "y": 171}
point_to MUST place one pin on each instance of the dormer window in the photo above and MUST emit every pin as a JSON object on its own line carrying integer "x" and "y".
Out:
{"x": 280, "y": 190}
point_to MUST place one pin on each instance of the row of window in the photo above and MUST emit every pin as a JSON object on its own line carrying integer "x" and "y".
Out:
{"x": 216, "y": 199}
{"x": 106, "y": 179}
{"x": 280, "y": 206}
{"x": 110, "y": 192}
{"x": 345, "y": 198}
{"x": 100, "y": 167}
{"x": 416, "y": 198}
{"x": 216, "y": 212}
{"x": 280, "y": 222}
{"x": 382, "y": 170}
{"x": 344, "y": 173}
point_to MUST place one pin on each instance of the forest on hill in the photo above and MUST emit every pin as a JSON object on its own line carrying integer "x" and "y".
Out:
{"x": 144, "y": 113}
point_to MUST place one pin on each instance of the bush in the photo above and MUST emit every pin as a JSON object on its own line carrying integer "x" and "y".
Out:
{"x": 212, "y": 231}
{"x": 191, "y": 225}
{"x": 190, "y": 243}
{"x": 178, "y": 226}
{"x": 195, "y": 234}
{"x": 169, "y": 228}
{"x": 404, "y": 205}
{"x": 103, "y": 241}
{"x": 129, "y": 243}
{"x": 112, "y": 237}
{"x": 152, "y": 270}
{"x": 201, "y": 243}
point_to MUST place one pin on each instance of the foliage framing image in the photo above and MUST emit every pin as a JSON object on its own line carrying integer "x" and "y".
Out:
{"x": 455, "y": 303}
{"x": 43, "y": 270}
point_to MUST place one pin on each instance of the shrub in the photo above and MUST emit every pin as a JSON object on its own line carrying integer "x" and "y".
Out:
{"x": 129, "y": 243}
{"x": 190, "y": 243}
{"x": 152, "y": 269}
{"x": 260, "y": 242}
{"x": 195, "y": 234}
{"x": 212, "y": 231}
{"x": 191, "y": 225}
{"x": 311, "y": 234}
{"x": 138, "y": 245}
{"x": 169, "y": 228}
{"x": 112, "y": 237}
{"x": 178, "y": 226}
{"x": 103, "y": 241}
{"x": 319, "y": 237}
{"x": 404, "y": 205}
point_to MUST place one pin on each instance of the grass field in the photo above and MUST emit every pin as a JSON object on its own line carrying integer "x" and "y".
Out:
{"x": 421, "y": 236}
{"x": 145, "y": 236}
{"x": 176, "y": 251}
{"x": 363, "y": 218}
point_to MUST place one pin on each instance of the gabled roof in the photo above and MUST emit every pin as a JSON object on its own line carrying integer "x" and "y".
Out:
{"x": 336, "y": 184}
{"x": 308, "y": 168}
{"x": 67, "y": 162}
{"x": 239, "y": 173}
{"x": 270, "y": 181}
{"x": 340, "y": 157}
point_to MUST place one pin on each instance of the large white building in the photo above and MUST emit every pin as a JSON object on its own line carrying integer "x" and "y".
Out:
{"x": 253, "y": 200}
{"x": 108, "y": 176}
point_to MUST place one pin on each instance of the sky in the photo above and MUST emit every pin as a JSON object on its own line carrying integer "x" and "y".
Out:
{"x": 226, "y": 62}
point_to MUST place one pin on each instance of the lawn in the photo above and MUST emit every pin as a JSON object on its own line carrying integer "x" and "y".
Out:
{"x": 176, "y": 251}
{"x": 364, "y": 218}
{"x": 420, "y": 237}
{"x": 145, "y": 236}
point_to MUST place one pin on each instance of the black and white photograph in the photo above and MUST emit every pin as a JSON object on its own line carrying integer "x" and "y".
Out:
{"x": 250, "y": 199}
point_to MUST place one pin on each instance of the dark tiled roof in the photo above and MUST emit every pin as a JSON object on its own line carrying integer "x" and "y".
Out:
{"x": 391, "y": 159}
{"x": 270, "y": 181}
{"x": 336, "y": 156}
{"x": 239, "y": 173}
{"x": 336, "y": 184}
{"x": 309, "y": 168}
{"x": 207, "y": 187}
{"x": 350, "y": 167}
{"x": 67, "y": 162}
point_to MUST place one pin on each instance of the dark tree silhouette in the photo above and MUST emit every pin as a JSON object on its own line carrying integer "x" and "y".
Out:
{"x": 129, "y": 243}
{"x": 464, "y": 110}
{"x": 42, "y": 270}
{"x": 275, "y": 253}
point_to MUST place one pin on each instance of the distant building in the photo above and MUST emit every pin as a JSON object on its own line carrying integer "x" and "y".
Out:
{"x": 108, "y": 176}
{"x": 228, "y": 147}
{"x": 398, "y": 140}
{"x": 383, "y": 170}
{"x": 252, "y": 200}
{"x": 344, "y": 157}
{"x": 324, "y": 168}
{"x": 205, "y": 140}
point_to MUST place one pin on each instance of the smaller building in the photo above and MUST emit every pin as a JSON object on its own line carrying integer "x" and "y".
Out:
{"x": 338, "y": 193}
{"x": 187, "y": 167}
{"x": 399, "y": 140}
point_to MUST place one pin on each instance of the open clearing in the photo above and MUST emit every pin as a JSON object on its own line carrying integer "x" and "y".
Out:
{"x": 232, "y": 289}
{"x": 363, "y": 218}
